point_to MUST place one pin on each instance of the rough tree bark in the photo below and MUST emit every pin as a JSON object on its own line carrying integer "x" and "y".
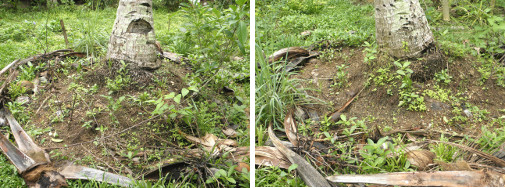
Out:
{"x": 133, "y": 39}
{"x": 401, "y": 28}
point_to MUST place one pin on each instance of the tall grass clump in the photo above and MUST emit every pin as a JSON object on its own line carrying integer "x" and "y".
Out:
{"x": 275, "y": 92}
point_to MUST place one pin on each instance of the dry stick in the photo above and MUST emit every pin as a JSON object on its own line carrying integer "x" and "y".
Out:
{"x": 41, "y": 105}
{"x": 347, "y": 103}
{"x": 496, "y": 160}
{"x": 8, "y": 66}
{"x": 64, "y": 32}
{"x": 423, "y": 131}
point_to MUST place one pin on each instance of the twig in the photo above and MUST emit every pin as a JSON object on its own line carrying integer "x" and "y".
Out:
{"x": 8, "y": 66}
{"x": 43, "y": 102}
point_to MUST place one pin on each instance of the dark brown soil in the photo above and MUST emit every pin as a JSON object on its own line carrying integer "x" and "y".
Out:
{"x": 107, "y": 150}
{"x": 381, "y": 109}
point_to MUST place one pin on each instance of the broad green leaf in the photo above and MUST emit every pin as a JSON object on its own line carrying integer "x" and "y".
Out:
{"x": 170, "y": 95}
{"x": 292, "y": 167}
{"x": 231, "y": 180}
{"x": 177, "y": 99}
{"x": 184, "y": 92}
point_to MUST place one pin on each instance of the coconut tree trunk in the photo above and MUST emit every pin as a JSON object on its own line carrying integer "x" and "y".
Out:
{"x": 401, "y": 28}
{"x": 133, "y": 39}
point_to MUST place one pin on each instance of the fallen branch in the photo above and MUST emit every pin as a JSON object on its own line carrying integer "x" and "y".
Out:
{"x": 335, "y": 116}
{"x": 8, "y": 66}
{"x": 308, "y": 173}
{"x": 430, "y": 179}
{"x": 85, "y": 173}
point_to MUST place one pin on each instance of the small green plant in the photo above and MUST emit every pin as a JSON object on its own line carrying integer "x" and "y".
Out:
{"x": 28, "y": 72}
{"x": 122, "y": 80}
{"x": 490, "y": 140}
{"x": 438, "y": 93}
{"x": 376, "y": 157}
{"x": 408, "y": 97}
{"x": 223, "y": 177}
{"x": 275, "y": 177}
{"x": 340, "y": 79}
{"x": 370, "y": 52}
{"x": 16, "y": 90}
{"x": 275, "y": 92}
{"x": 87, "y": 124}
{"x": 327, "y": 55}
{"x": 19, "y": 112}
{"x": 443, "y": 77}
{"x": 444, "y": 152}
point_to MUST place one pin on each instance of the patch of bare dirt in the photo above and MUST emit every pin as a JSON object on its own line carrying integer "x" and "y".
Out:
{"x": 128, "y": 144}
{"x": 381, "y": 109}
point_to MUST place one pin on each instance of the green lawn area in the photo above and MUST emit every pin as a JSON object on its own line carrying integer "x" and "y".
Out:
{"x": 23, "y": 34}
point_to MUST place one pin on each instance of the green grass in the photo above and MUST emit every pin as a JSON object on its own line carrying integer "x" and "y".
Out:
{"x": 279, "y": 23}
{"x": 23, "y": 34}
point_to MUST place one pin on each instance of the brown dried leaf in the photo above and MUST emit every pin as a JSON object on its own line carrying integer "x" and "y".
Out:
{"x": 291, "y": 129}
{"x": 459, "y": 165}
{"x": 420, "y": 158}
{"x": 241, "y": 166}
{"x": 270, "y": 156}
{"x": 229, "y": 132}
{"x": 211, "y": 143}
{"x": 307, "y": 172}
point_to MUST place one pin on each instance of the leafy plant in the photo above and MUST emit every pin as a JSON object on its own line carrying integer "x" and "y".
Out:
{"x": 408, "y": 97}
{"x": 376, "y": 157}
{"x": 340, "y": 78}
{"x": 275, "y": 177}
{"x": 443, "y": 77}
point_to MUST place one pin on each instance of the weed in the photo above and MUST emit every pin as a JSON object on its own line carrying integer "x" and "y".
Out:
{"x": 274, "y": 92}
{"x": 19, "y": 112}
{"x": 443, "y": 152}
{"x": 443, "y": 77}
{"x": 370, "y": 52}
{"x": 438, "y": 93}
{"x": 275, "y": 177}
{"x": 375, "y": 157}
{"x": 491, "y": 140}
{"x": 408, "y": 97}
{"x": 16, "y": 90}
{"x": 340, "y": 79}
